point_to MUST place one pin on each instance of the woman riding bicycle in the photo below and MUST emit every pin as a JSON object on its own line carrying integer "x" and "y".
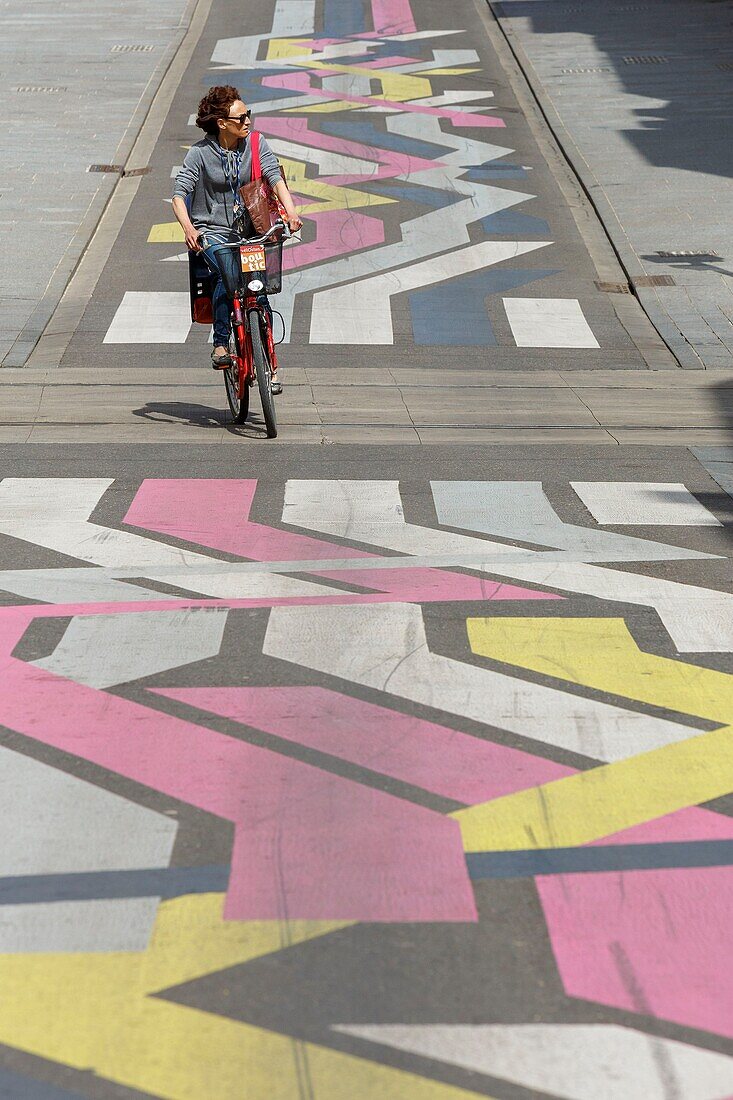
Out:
{"x": 206, "y": 199}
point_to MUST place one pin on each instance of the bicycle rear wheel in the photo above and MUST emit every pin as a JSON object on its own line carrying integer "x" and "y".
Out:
{"x": 263, "y": 370}
{"x": 239, "y": 405}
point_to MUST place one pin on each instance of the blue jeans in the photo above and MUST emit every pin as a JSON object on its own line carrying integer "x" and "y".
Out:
{"x": 228, "y": 259}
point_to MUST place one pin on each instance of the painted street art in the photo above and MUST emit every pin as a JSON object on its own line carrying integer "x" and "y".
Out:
{"x": 413, "y": 202}
{"x": 248, "y": 757}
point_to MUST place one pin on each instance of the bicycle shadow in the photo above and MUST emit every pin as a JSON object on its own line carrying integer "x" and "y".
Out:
{"x": 200, "y": 416}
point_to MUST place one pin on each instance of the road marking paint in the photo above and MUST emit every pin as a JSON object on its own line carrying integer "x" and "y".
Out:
{"x": 393, "y": 657}
{"x": 575, "y": 1061}
{"x": 602, "y": 654}
{"x": 605, "y": 800}
{"x": 644, "y": 503}
{"x": 151, "y": 317}
{"x": 549, "y": 323}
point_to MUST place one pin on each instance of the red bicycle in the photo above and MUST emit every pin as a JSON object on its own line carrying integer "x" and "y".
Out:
{"x": 251, "y": 344}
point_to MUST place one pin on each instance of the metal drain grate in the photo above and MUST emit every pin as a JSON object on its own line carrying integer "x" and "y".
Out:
{"x": 651, "y": 60}
{"x": 654, "y": 280}
{"x": 41, "y": 88}
{"x": 132, "y": 49}
{"x": 572, "y": 72}
{"x": 614, "y": 288}
{"x": 116, "y": 168}
{"x": 725, "y": 66}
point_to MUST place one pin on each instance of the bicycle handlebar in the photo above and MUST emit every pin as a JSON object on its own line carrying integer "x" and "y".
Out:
{"x": 259, "y": 240}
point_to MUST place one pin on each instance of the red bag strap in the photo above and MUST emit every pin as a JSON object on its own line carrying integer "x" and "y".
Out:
{"x": 254, "y": 143}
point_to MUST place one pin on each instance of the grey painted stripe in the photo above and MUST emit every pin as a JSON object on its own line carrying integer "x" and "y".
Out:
{"x": 103, "y": 650}
{"x": 158, "y": 882}
{"x": 520, "y": 510}
{"x": 15, "y": 1087}
{"x": 606, "y": 857}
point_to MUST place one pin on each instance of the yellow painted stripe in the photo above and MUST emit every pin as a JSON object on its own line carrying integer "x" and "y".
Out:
{"x": 287, "y": 47}
{"x": 604, "y": 800}
{"x": 166, "y": 233}
{"x": 396, "y": 86}
{"x": 94, "y": 1012}
{"x": 602, "y": 654}
{"x": 330, "y": 196}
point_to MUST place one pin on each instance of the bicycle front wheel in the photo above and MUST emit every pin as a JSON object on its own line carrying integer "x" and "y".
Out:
{"x": 239, "y": 405}
{"x": 263, "y": 370}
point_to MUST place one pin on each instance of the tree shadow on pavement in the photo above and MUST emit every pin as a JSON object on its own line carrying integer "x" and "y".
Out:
{"x": 675, "y": 52}
{"x": 688, "y": 263}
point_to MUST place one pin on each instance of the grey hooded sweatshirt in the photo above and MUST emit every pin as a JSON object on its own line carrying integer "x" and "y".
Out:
{"x": 202, "y": 177}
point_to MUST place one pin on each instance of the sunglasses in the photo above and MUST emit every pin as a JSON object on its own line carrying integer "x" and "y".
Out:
{"x": 239, "y": 118}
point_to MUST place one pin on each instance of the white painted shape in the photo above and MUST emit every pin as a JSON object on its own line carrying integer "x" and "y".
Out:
{"x": 347, "y": 84}
{"x": 414, "y": 36}
{"x": 329, "y": 164}
{"x": 73, "y": 586}
{"x": 698, "y": 620}
{"x": 55, "y": 823}
{"x": 450, "y": 97}
{"x": 548, "y": 323}
{"x": 574, "y": 1061}
{"x": 96, "y": 925}
{"x": 177, "y": 167}
{"x": 466, "y": 151}
{"x": 54, "y": 512}
{"x": 180, "y": 258}
{"x": 151, "y": 317}
{"x": 104, "y": 650}
{"x": 644, "y": 503}
{"x": 384, "y": 647}
{"x": 360, "y": 313}
{"x": 443, "y": 59}
{"x": 293, "y": 17}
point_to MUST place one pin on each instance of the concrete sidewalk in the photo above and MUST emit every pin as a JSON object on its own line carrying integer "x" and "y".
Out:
{"x": 639, "y": 97}
{"x": 77, "y": 81}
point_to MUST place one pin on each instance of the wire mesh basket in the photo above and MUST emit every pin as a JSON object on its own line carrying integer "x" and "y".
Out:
{"x": 235, "y": 280}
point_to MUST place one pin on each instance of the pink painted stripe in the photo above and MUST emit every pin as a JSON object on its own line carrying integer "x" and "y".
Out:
{"x": 308, "y": 844}
{"x": 215, "y": 513}
{"x": 393, "y": 17}
{"x": 390, "y": 163}
{"x": 652, "y": 942}
{"x": 436, "y": 758}
{"x": 337, "y": 232}
{"x": 294, "y": 82}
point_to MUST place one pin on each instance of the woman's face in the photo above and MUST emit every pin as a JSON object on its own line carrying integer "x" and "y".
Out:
{"x": 235, "y": 124}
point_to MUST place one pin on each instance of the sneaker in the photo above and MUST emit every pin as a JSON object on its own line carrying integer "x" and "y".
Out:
{"x": 275, "y": 384}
